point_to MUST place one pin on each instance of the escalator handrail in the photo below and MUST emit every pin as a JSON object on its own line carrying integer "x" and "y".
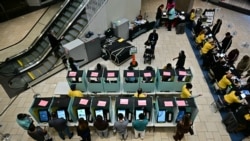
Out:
{"x": 38, "y": 37}
{"x": 68, "y": 25}
{"x": 75, "y": 17}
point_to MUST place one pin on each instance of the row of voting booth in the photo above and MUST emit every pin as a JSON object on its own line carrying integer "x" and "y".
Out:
{"x": 161, "y": 111}
{"x": 112, "y": 81}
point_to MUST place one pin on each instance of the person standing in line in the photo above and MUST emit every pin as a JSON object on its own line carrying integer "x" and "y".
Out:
{"x": 233, "y": 56}
{"x": 120, "y": 126}
{"x": 140, "y": 126}
{"x": 183, "y": 127}
{"x": 83, "y": 130}
{"x": 158, "y": 16}
{"x": 39, "y": 134}
{"x": 54, "y": 42}
{"x": 226, "y": 43}
{"x": 243, "y": 65}
{"x": 25, "y": 121}
{"x": 101, "y": 126}
{"x": 216, "y": 27}
{"x": 171, "y": 17}
{"x": 181, "y": 60}
{"x": 60, "y": 125}
{"x": 153, "y": 38}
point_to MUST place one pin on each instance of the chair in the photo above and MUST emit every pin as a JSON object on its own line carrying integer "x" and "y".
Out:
{"x": 211, "y": 75}
{"x": 219, "y": 104}
{"x": 217, "y": 89}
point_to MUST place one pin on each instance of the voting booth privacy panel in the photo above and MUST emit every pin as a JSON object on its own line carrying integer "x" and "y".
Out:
{"x": 77, "y": 78}
{"x": 168, "y": 81}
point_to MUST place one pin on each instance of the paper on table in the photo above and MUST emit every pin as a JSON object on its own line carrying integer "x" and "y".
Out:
{"x": 181, "y": 103}
{"x": 142, "y": 102}
{"x": 83, "y": 101}
{"x": 101, "y": 103}
{"x": 166, "y": 73}
{"x": 124, "y": 101}
{"x": 182, "y": 73}
{"x": 147, "y": 74}
{"x": 130, "y": 73}
{"x": 94, "y": 74}
{"x": 72, "y": 73}
{"x": 43, "y": 103}
{"x": 111, "y": 74}
{"x": 168, "y": 103}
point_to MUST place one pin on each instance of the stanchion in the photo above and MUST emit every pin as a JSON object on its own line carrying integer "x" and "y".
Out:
{"x": 133, "y": 62}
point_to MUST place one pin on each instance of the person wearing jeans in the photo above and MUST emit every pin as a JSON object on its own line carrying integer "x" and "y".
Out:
{"x": 158, "y": 16}
{"x": 60, "y": 126}
{"x": 139, "y": 126}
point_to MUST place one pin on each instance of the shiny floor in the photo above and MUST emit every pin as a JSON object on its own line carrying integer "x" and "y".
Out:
{"x": 207, "y": 125}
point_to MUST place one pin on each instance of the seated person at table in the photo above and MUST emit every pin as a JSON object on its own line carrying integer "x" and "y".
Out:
{"x": 209, "y": 45}
{"x": 73, "y": 92}
{"x": 139, "y": 93}
{"x": 220, "y": 69}
{"x": 234, "y": 99}
{"x": 130, "y": 79}
{"x": 139, "y": 20}
{"x": 149, "y": 79}
{"x": 226, "y": 81}
{"x": 100, "y": 67}
{"x": 170, "y": 69}
{"x": 186, "y": 91}
{"x": 200, "y": 38}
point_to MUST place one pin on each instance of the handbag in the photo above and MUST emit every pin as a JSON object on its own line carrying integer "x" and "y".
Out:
{"x": 191, "y": 130}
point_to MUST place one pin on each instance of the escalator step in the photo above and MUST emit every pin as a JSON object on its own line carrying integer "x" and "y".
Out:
{"x": 69, "y": 38}
{"x": 20, "y": 62}
{"x": 63, "y": 19}
{"x": 39, "y": 50}
{"x": 84, "y": 16}
{"x": 56, "y": 29}
{"x": 37, "y": 73}
{"x": 75, "y": 4}
{"x": 71, "y": 9}
{"x": 78, "y": 27}
{"x": 31, "y": 75}
{"x": 52, "y": 59}
{"x": 59, "y": 24}
{"x": 48, "y": 65}
{"x": 82, "y": 22}
{"x": 35, "y": 54}
{"x": 43, "y": 69}
{"x": 74, "y": 33}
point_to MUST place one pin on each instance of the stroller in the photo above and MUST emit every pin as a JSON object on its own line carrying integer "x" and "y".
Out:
{"x": 148, "y": 55}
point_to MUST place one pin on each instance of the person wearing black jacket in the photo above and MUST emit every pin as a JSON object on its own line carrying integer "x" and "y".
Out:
{"x": 158, "y": 16}
{"x": 83, "y": 130}
{"x": 226, "y": 43}
{"x": 216, "y": 27}
{"x": 60, "y": 125}
{"x": 54, "y": 42}
{"x": 152, "y": 38}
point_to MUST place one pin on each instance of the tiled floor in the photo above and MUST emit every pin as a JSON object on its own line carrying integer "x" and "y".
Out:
{"x": 207, "y": 126}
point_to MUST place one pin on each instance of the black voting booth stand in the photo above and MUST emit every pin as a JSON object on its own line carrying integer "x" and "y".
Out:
{"x": 40, "y": 109}
{"x": 77, "y": 78}
{"x": 188, "y": 106}
{"x": 80, "y": 108}
{"x": 166, "y": 112}
{"x": 60, "y": 105}
{"x": 125, "y": 106}
{"x": 146, "y": 105}
{"x": 102, "y": 106}
{"x": 95, "y": 81}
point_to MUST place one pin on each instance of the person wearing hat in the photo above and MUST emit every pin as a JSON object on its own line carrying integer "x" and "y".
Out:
{"x": 73, "y": 92}
{"x": 226, "y": 42}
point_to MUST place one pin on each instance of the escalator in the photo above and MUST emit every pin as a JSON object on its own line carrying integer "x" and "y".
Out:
{"x": 18, "y": 71}
{"x": 40, "y": 46}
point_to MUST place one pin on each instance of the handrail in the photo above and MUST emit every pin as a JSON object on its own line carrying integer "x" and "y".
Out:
{"x": 38, "y": 37}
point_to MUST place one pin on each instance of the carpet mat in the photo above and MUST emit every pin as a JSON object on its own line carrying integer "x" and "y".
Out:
{"x": 234, "y": 136}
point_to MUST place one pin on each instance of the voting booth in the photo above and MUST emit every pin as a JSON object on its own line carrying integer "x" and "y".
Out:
{"x": 130, "y": 81}
{"x": 40, "y": 109}
{"x": 125, "y": 106}
{"x": 147, "y": 80}
{"x": 78, "y": 78}
{"x": 165, "y": 80}
{"x": 145, "y": 106}
{"x": 95, "y": 81}
{"x": 165, "y": 111}
{"x": 112, "y": 82}
{"x": 183, "y": 77}
{"x": 186, "y": 106}
{"x": 102, "y": 106}
{"x": 60, "y": 105}
{"x": 79, "y": 107}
